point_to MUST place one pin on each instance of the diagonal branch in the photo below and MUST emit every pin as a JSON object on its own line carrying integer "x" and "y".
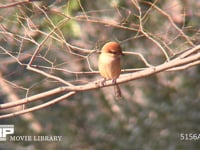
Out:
{"x": 56, "y": 100}
{"x": 168, "y": 66}
{"x": 33, "y": 98}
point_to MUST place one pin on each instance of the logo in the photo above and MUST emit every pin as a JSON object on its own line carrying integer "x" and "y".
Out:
{"x": 5, "y": 130}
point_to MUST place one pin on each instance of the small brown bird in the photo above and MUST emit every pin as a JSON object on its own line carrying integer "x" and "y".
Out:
{"x": 109, "y": 63}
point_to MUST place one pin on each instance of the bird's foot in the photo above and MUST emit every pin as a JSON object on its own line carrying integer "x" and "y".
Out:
{"x": 114, "y": 80}
{"x": 102, "y": 83}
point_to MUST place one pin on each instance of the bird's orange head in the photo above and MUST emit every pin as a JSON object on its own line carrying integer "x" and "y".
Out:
{"x": 112, "y": 48}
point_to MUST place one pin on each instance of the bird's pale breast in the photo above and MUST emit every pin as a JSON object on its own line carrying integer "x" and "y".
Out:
{"x": 109, "y": 66}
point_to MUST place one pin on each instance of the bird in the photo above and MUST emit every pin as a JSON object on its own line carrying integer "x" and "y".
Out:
{"x": 109, "y": 64}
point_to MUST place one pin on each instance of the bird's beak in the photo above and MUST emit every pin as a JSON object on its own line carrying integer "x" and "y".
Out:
{"x": 122, "y": 54}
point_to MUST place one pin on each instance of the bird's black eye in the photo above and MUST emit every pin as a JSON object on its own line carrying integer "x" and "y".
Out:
{"x": 113, "y": 52}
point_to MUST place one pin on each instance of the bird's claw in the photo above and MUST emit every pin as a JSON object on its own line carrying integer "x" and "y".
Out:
{"x": 114, "y": 81}
{"x": 102, "y": 83}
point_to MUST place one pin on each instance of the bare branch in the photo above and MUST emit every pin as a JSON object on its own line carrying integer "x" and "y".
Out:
{"x": 14, "y": 4}
{"x": 171, "y": 21}
{"x": 33, "y": 98}
{"x": 27, "y": 110}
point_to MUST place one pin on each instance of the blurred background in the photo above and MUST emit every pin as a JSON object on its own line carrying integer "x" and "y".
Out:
{"x": 154, "y": 111}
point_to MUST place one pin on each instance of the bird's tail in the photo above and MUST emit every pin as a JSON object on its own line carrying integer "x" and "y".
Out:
{"x": 117, "y": 91}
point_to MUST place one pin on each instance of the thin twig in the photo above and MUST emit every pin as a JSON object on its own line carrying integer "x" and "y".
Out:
{"x": 171, "y": 21}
